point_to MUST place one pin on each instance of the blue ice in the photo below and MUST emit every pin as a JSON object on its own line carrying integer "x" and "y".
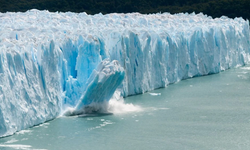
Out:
{"x": 50, "y": 62}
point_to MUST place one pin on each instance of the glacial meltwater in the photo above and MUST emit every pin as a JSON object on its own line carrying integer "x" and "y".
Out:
{"x": 203, "y": 113}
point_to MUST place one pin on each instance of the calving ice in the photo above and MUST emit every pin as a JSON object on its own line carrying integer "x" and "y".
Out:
{"x": 55, "y": 63}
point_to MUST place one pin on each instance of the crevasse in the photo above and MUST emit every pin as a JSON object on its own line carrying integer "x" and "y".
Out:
{"x": 50, "y": 62}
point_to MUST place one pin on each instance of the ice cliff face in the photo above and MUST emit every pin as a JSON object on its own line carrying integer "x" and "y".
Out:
{"x": 29, "y": 92}
{"x": 53, "y": 61}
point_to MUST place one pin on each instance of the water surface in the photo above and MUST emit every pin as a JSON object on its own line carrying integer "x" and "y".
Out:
{"x": 208, "y": 113}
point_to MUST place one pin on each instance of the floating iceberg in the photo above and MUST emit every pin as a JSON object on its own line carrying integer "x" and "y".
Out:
{"x": 50, "y": 62}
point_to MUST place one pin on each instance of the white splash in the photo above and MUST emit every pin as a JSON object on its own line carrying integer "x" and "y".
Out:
{"x": 117, "y": 105}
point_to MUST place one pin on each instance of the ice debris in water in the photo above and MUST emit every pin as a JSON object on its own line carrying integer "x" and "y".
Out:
{"x": 49, "y": 61}
{"x": 155, "y": 94}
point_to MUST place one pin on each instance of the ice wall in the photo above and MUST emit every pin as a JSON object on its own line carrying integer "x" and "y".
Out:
{"x": 29, "y": 92}
{"x": 47, "y": 60}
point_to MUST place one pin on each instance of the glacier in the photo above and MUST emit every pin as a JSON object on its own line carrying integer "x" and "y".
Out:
{"x": 55, "y": 63}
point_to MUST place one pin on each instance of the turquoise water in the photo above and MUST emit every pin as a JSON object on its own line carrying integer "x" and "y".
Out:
{"x": 204, "y": 113}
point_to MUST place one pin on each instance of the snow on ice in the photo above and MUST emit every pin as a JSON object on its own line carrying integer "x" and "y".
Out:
{"x": 51, "y": 62}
